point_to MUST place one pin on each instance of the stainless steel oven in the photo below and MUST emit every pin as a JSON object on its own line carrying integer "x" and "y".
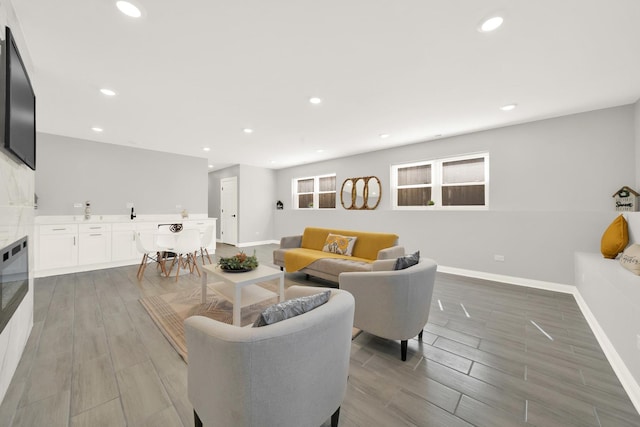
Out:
{"x": 14, "y": 278}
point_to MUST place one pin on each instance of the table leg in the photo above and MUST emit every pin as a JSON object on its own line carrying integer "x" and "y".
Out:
{"x": 204, "y": 286}
{"x": 281, "y": 287}
{"x": 237, "y": 306}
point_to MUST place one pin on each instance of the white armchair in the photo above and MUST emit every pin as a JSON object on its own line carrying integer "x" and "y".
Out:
{"x": 392, "y": 304}
{"x": 291, "y": 373}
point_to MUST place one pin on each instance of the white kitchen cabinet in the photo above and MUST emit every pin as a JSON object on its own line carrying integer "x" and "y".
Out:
{"x": 94, "y": 243}
{"x": 57, "y": 246}
{"x": 123, "y": 242}
{"x": 71, "y": 247}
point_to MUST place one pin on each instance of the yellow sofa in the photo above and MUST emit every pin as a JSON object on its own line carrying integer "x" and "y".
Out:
{"x": 304, "y": 252}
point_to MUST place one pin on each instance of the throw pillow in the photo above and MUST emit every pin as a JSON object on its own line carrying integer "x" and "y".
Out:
{"x": 407, "y": 261}
{"x": 337, "y": 244}
{"x": 290, "y": 308}
{"x": 615, "y": 238}
{"x": 630, "y": 259}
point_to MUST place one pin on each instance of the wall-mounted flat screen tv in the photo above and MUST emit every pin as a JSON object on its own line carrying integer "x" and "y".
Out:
{"x": 20, "y": 105}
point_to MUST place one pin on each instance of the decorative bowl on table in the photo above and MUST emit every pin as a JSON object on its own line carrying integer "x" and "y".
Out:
{"x": 238, "y": 263}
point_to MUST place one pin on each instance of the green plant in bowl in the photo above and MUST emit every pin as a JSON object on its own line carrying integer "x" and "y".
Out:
{"x": 239, "y": 262}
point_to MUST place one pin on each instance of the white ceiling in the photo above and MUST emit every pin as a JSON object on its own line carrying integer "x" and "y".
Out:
{"x": 191, "y": 74}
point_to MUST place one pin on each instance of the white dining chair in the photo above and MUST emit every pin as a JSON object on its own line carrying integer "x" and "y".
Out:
{"x": 186, "y": 250}
{"x": 149, "y": 251}
{"x": 205, "y": 242}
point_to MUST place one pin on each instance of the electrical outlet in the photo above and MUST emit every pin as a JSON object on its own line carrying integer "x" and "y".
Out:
{"x": 499, "y": 258}
{"x": 78, "y": 205}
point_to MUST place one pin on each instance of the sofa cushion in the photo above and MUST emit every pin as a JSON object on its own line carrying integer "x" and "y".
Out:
{"x": 630, "y": 259}
{"x": 369, "y": 243}
{"x": 407, "y": 261}
{"x": 338, "y": 244}
{"x": 335, "y": 266}
{"x": 615, "y": 238}
{"x": 290, "y": 308}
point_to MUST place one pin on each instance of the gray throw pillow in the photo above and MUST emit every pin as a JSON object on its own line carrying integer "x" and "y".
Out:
{"x": 290, "y": 308}
{"x": 407, "y": 261}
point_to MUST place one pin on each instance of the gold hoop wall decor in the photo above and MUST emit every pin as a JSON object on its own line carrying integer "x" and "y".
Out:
{"x": 361, "y": 193}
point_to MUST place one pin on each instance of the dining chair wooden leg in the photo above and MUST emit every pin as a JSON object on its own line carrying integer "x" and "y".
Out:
{"x": 189, "y": 262}
{"x": 162, "y": 263}
{"x": 179, "y": 265}
{"x": 142, "y": 267}
{"x": 202, "y": 252}
{"x": 173, "y": 262}
{"x": 194, "y": 257}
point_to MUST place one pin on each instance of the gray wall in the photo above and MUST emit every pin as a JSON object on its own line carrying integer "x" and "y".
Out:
{"x": 256, "y": 201}
{"x": 551, "y": 183}
{"x": 74, "y": 170}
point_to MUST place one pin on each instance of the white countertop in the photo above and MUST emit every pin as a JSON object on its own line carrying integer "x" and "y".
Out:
{"x": 96, "y": 218}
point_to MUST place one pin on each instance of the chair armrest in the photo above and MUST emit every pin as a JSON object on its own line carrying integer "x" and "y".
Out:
{"x": 383, "y": 264}
{"x": 304, "y": 291}
{"x": 291, "y": 242}
{"x": 392, "y": 252}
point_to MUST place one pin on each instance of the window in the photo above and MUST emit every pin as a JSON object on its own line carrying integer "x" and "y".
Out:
{"x": 317, "y": 192}
{"x": 452, "y": 182}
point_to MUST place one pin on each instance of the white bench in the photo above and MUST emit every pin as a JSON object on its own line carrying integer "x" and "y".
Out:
{"x": 612, "y": 295}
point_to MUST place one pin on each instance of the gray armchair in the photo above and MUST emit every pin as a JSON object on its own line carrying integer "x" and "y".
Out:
{"x": 392, "y": 304}
{"x": 291, "y": 373}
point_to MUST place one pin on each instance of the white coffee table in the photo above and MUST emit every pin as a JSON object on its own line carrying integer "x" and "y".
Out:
{"x": 240, "y": 288}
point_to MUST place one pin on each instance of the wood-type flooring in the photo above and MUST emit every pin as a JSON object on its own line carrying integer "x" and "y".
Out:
{"x": 492, "y": 355}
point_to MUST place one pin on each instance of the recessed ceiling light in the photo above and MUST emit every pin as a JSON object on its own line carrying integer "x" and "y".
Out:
{"x": 107, "y": 92}
{"x": 508, "y": 107}
{"x": 206, "y": 149}
{"x": 384, "y": 135}
{"x": 97, "y": 129}
{"x": 210, "y": 166}
{"x": 129, "y": 9}
{"x": 491, "y": 24}
{"x": 319, "y": 151}
{"x": 315, "y": 100}
{"x": 247, "y": 130}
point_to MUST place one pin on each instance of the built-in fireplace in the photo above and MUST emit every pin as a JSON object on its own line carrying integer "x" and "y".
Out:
{"x": 14, "y": 278}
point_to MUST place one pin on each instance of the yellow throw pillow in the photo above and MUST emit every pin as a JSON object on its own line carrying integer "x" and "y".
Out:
{"x": 615, "y": 238}
{"x": 630, "y": 259}
{"x": 337, "y": 244}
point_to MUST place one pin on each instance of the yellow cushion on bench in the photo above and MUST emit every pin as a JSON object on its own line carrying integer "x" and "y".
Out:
{"x": 615, "y": 238}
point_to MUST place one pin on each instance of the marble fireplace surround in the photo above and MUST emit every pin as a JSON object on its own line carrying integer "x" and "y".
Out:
{"x": 16, "y": 221}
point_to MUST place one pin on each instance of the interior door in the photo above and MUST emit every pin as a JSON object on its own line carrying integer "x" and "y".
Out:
{"x": 229, "y": 210}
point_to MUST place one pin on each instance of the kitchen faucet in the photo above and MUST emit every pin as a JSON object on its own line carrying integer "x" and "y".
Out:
{"x": 133, "y": 215}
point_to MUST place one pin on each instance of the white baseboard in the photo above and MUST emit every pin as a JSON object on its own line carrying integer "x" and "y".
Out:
{"x": 519, "y": 281}
{"x": 261, "y": 242}
{"x": 627, "y": 380}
